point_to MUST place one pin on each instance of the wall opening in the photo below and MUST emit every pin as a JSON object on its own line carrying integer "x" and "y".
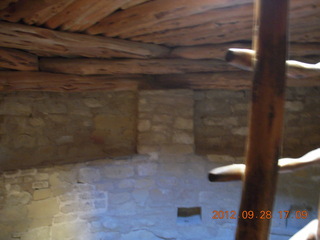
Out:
{"x": 189, "y": 216}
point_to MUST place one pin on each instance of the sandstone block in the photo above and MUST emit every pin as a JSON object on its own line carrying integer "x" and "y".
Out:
{"x": 144, "y": 125}
{"x": 140, "y": 234}
{"x": 117, "y": 172}
{"x": 15, "y": 108}
{"x": 92, "y": 102}
{"x": 40, "y": 233}
{"x": 42, "y": 194}
{"x": 40, "y": 185}
{"x": 183, "y": 138}
{"x": 89, "y": 175}
{"x": 183, "y": 123}
{"x": 147, "y": 169}
{"x": 44, "y": 208}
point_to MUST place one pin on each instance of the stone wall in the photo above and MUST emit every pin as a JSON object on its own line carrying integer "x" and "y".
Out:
{"x": 166, "y": 121}
{"x": 162, "y": 192}
{"x": 53, "y": 128}
{"x": 221, "y": 121}
{"x": 138, "y": 197}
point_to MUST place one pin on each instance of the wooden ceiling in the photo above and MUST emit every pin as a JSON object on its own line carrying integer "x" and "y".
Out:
{"x": 89, "y": 45}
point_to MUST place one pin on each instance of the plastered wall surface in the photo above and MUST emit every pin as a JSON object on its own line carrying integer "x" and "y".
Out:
{"x": 139, "y": 196}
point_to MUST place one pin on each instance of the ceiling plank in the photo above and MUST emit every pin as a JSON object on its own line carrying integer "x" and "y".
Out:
{"x": 73, "y": 44}
{"x": 5, "y": 3}
{"x": 131, "y": 66}
{"x": 203, "y": 34}
{"x": 214, "y": 16}
{"x": 146, "y": 15}
{"x": 82, "y": 14}
{"x": 133, "y": 3}
{"x": 18, "y": 60}
{"x": 40, "y": 17}
{"x": 20, "y": 9}
{"x": 52, "y": 82}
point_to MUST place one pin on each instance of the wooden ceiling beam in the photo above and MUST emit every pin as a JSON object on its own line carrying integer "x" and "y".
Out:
{"x": 218, "y": 51}
{"x": 217, "y": 16}
{"x": 146, "y": 15}
{"x": 18, "y": 60}
{"x": 72, "y": 44}
{"x": 131, "y": 66}
{"x": 40, "y": 17}
{"x": 133, "y": 3}
{"x": 15, "y": 11}
{"x": 52, "y": 82}
{"x": 82, "y": 14}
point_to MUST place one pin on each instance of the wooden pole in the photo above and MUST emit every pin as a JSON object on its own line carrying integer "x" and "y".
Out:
{"x": 266, "y": 119}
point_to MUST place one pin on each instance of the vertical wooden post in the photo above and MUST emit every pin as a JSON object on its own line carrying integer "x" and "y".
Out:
{"x": 318, "y": 230}
{"x": 266, "y": 119}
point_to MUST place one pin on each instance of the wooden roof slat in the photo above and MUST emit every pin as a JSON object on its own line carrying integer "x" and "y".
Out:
{"x": 133, "y": 3}
{"x": 212, "y": 26}
{"x": 202, "y": 34}
{"x": 131, "y": 66}
{"x": 82, "y": 14}
{"x": 5, "y": 3}
{"x": 214, "y": 16}
{"x": 40, "y": 17}
{"x": 18, "y": 60}
{"x": 73, "y": 44}
{"x": 146, "y": 15}
{"x": 20, "y": 9}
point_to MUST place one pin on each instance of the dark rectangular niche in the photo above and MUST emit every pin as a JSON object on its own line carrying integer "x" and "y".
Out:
{"x": 189, "y": 216}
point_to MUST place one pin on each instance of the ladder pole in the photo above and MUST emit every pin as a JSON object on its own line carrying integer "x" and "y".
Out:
{"x": 265, "y": 121}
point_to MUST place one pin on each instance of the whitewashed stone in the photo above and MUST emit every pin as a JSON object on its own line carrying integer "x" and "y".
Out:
{"x": 147, "y": 169}
{"x": 89, "y": 175}
{"x": 141, "y": 235}
{"x": 118, "y": 171}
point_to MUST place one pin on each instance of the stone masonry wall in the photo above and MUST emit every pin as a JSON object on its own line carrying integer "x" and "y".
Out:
{"x": 221, "y": 121}
{"x": 148, "y": 196}
{"x": 53, "y": 128}
{"x": 166, "y": 121}
{"x": 138, "y": 197}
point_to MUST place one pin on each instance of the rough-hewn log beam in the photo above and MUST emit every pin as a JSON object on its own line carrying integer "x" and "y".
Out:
{"x": 131, "y": 66}
{"x": 18, "y": 60}
{"x": 73, "y": 44}
{"x": 236, "y": 172}
{"x": 51, "y": 82}
{"x": 217, "y": 51}
{"x": 244, "y": 59}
